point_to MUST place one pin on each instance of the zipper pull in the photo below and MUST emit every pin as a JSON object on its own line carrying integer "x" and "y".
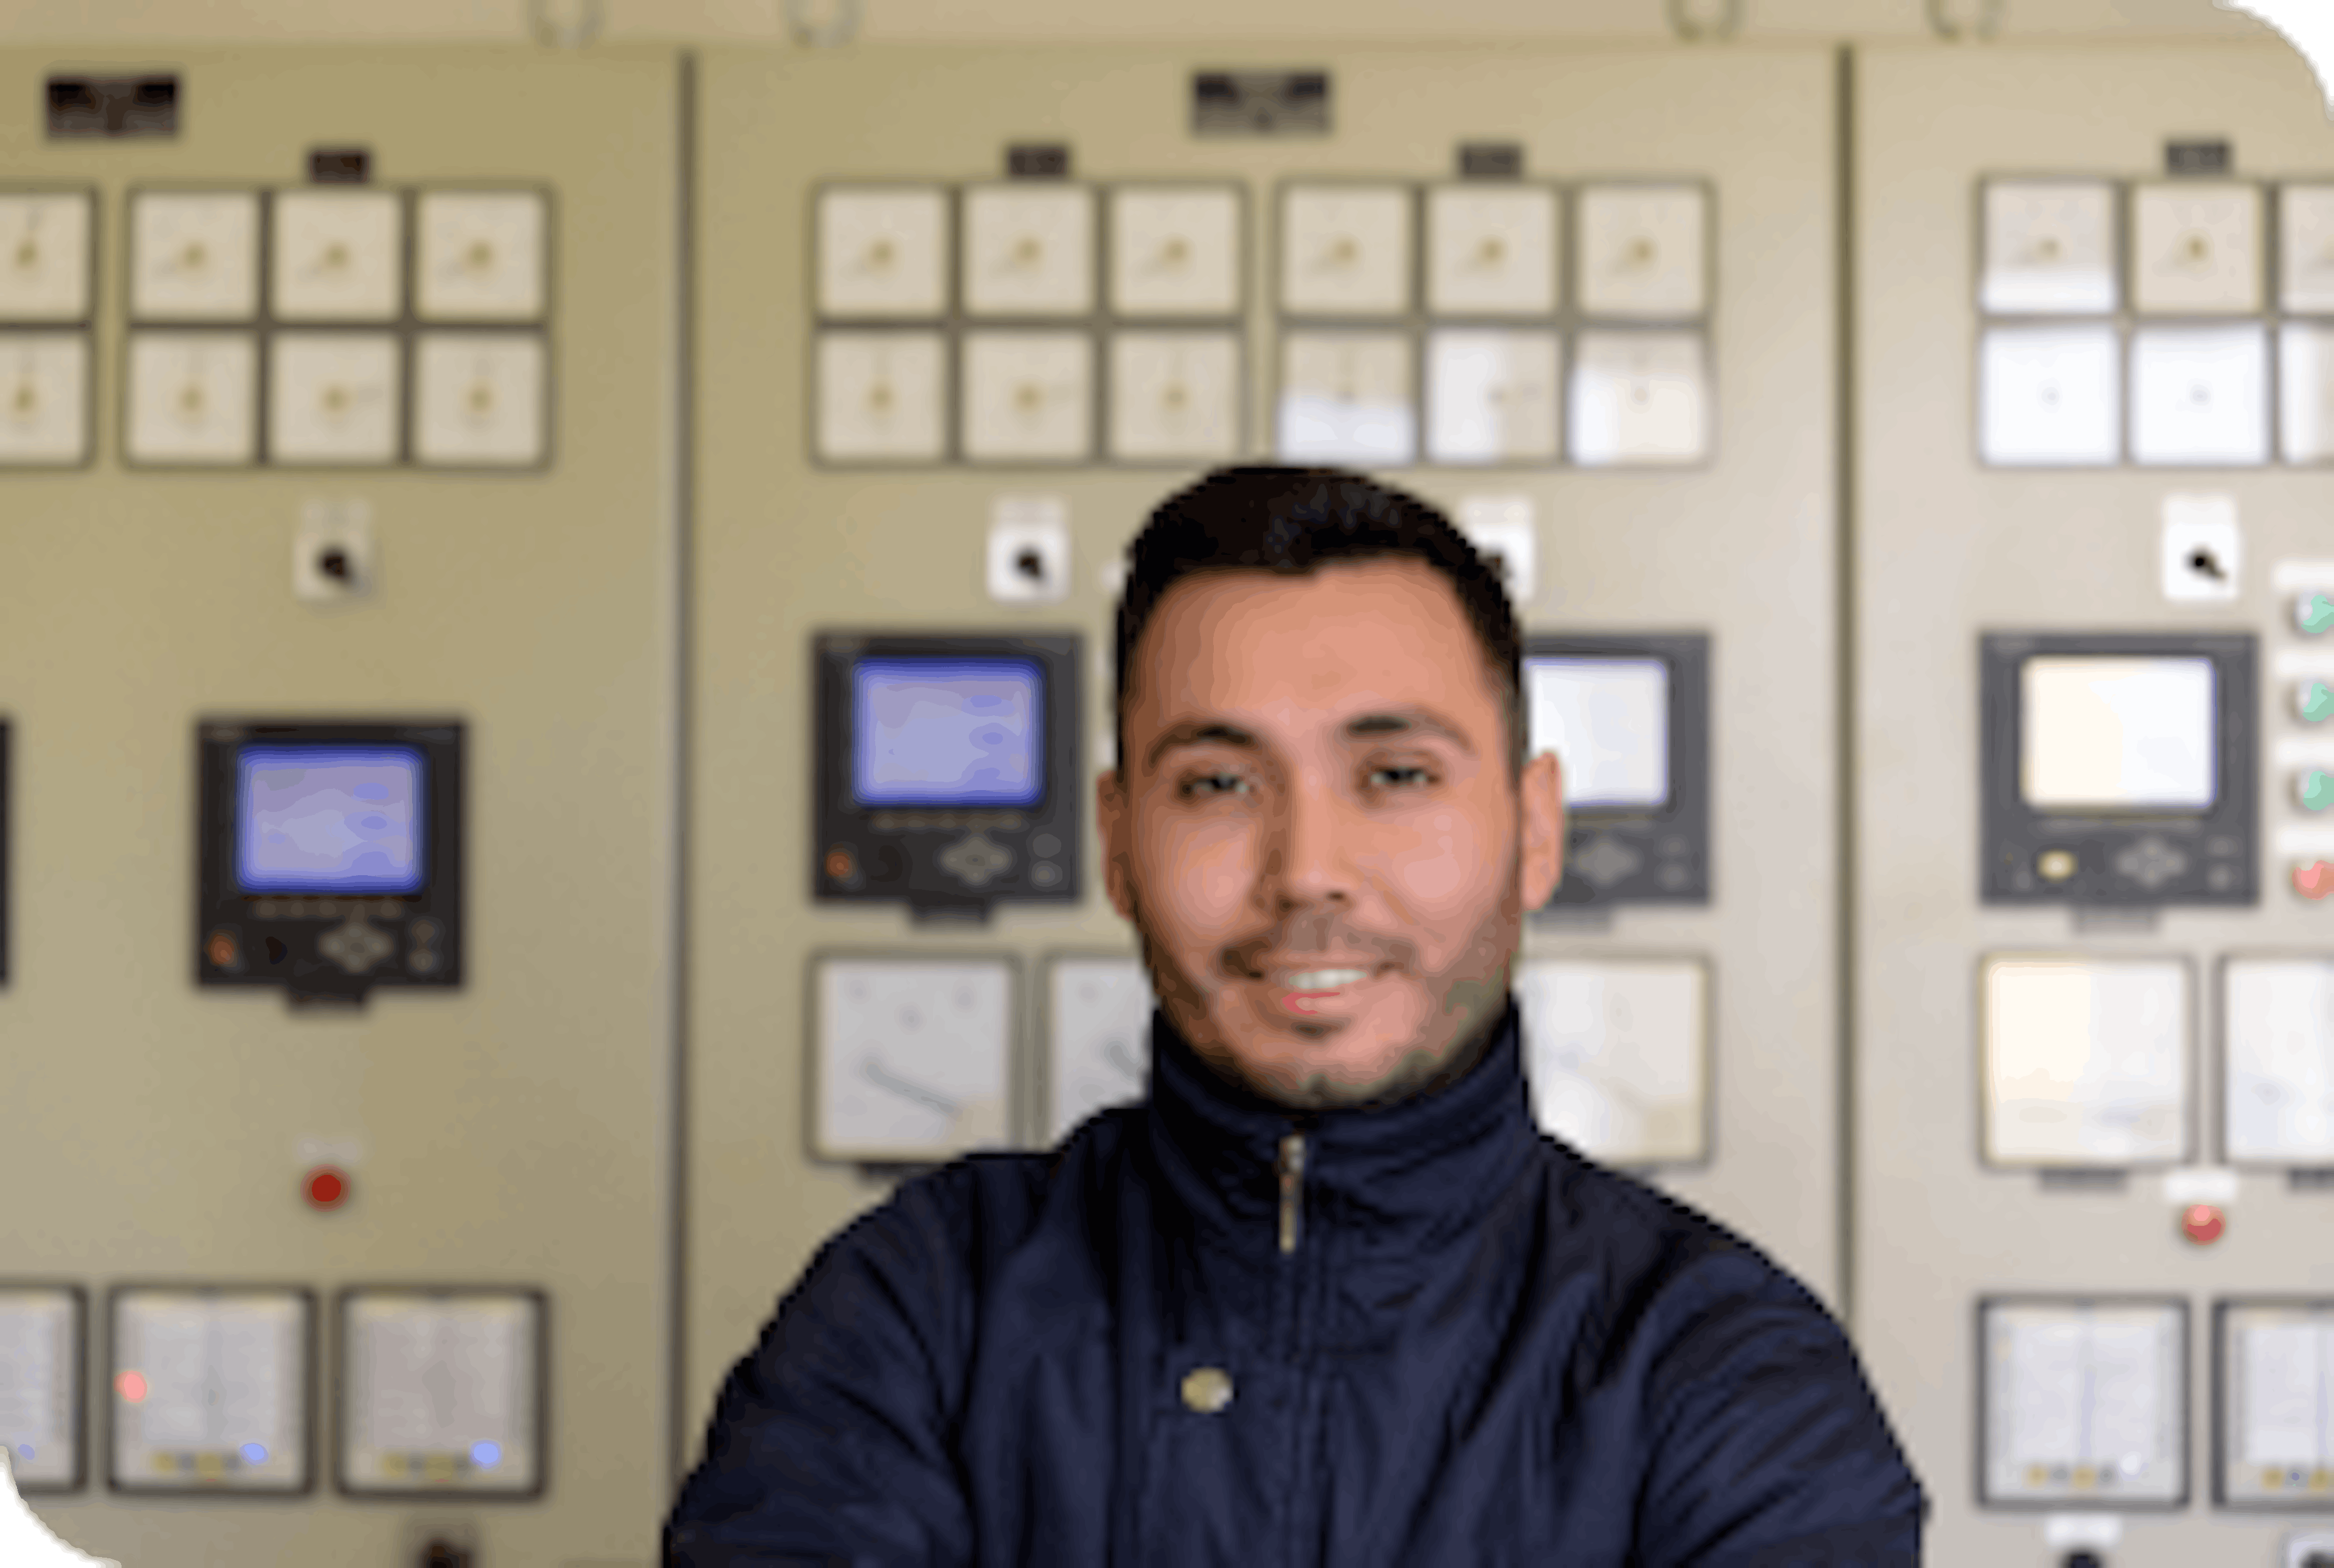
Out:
{"x": 1292, "y": 1179}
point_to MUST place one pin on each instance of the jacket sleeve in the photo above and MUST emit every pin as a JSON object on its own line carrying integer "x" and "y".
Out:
{"x": 1768, "y": 1448}
{"x": 830, "y": 1442}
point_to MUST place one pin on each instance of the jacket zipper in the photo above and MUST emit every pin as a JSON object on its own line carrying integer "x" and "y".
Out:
{"x": 1292, "y": 1181}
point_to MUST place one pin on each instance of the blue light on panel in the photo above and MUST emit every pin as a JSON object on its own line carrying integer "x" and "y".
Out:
{"x": 948, "y": 732}
{"x": 486, "y": 1455}
{"x": 254, "y": 1454}
{"x": 329, "y": 819}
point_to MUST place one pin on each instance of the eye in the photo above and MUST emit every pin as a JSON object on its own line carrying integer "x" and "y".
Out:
{"x": 1403, "y": 778}
{"x": 1207, "y": 785}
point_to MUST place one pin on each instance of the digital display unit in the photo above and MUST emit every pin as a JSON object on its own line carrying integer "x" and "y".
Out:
{"x": 330, "y": 855}
{"x": 946, "y": 769}
{"x": 1628, "y": 715}
{"x": 2118, "y": 768}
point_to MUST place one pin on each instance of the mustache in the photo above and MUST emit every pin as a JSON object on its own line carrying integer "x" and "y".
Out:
{"x": 1315, "y": 936}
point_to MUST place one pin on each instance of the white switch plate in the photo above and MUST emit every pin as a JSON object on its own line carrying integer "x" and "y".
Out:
{"x": 329, "y": 527}
{"x": 194, "y": 255}
{"x": 44, "y": 255}
{"x": 882, "y": 397}
{"x": 337, "y": 255}
{"x": 191, "y": 398}
{"x": 1099, "y": 1038}
{"x": 2196, "y": 247}
{"x": 1174, "y": 396}
{"x": 1503, "y": 526}
{"x": 1028, "y": 251}
{"x": 1028, "y": 397}
{"x": 2202, "y": 549}
{"x": 348, "y": 1153}
{"x": 479, "y": 255}
{"x": 1619, "y": 1058}
{"x": 44, "y": 398}
{"x": 2050, "y": 246}
{"x": 1492, "y": 395}
{"x": 2200, "y": 395}
{"x": 1644, "y": 251}
{"x": 2048, "y": 396}
{"x": 2200, "y": 1184}
{"x": 913, "y": 1056}
{"x": 2306, "y": 247}
{"x": 1639, "y": 398}
{"x": 1345, "y": 250}
{"x": 1028, "y": 549}
{"x": 332, "y": 398}
{"x": 2064, "y": 1530}
{"x": 1346, "y": 397}
{"x": 882, "y": 251}
{"x": 479, "y": 399}
{"x": 1175, "y": 250}
{"x": 2278, "y": 1028}
{"x": 1490, "y": 251}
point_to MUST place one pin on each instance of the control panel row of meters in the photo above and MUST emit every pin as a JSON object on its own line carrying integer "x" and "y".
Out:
{"x": 2088, "y": 1061}
{"x": 469, "y": 397}
{"x": 913, "y": 1053}
{"x": 2083, "y": 1401}
{"x": 2094, "y": 394}
{"x": 1348, "y": 248}
{"x": 891, "y": 397}
{"x": 2085, "y": 1062}
{"x": 2058, "y": 246}
{"x": 335, "y": 253}
{"x": 212, "y": 1389}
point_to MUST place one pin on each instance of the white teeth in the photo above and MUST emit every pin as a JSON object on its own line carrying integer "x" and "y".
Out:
{"x": 1325, "y": 979}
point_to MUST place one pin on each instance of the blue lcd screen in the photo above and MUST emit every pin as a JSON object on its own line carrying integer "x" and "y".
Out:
{"x": 329, "y": 818}
{"x": 948, "y": 732}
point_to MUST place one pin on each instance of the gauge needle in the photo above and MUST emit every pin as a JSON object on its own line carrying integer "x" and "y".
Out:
{"x": 874, "y": 1073}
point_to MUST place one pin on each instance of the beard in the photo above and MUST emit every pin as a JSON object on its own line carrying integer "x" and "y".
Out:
{"x": 1475, "y": 1000}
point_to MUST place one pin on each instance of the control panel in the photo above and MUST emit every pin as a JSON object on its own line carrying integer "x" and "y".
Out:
{"x": 330, "y": 855}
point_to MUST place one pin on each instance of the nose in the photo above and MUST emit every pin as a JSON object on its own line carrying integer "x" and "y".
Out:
{"x": 1311, "y": 860}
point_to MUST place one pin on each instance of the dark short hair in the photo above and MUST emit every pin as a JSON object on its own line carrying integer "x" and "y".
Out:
{"x": 1289, "y": 521}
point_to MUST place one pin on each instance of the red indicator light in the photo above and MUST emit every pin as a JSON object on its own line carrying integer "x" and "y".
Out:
{"x": 326, "y": 1186}
{"x": 131, "y": 1386}
{"x": 2202, "y": 1222}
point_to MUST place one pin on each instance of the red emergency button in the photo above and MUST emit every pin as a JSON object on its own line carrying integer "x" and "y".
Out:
{"x": 2202, "y": 1222}
{"x": 2315, "y": 880}
{"x": 327, "y": 1187}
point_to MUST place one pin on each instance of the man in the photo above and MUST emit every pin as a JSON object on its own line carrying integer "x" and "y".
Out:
{"x": 1326, "y": 1296}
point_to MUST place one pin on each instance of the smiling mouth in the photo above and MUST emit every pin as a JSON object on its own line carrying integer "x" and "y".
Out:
{"x": 1310, "y": 992}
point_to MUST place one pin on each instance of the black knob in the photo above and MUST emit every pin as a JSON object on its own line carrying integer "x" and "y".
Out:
{"x": 2319, "y": 1560}
{"x": 445, "y": 1554}
{"x": 334, "y": 564}
{"x": 2082, "y": 1559}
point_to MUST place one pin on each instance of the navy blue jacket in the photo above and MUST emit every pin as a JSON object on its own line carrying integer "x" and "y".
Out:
{"x": 1444, "y": 1339}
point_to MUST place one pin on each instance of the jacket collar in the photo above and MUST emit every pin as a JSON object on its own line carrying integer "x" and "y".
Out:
{"x": 1400, "y": 1177}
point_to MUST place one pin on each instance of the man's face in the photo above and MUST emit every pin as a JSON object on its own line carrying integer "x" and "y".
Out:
{"x": 1313, "y": 828}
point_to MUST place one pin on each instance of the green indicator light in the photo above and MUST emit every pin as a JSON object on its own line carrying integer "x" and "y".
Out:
{"x": 2315, "y": 613}
{"x": 2317, "y": 701}
{"x": 2318, "y": 789}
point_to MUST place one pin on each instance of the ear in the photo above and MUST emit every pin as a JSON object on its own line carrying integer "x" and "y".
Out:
{"x": 1542, "y": 804}
{"x": 1115, "y": 827}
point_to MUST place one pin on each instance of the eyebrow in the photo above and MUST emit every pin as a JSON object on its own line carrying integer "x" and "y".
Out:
{"x": 1361, "y": 726}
